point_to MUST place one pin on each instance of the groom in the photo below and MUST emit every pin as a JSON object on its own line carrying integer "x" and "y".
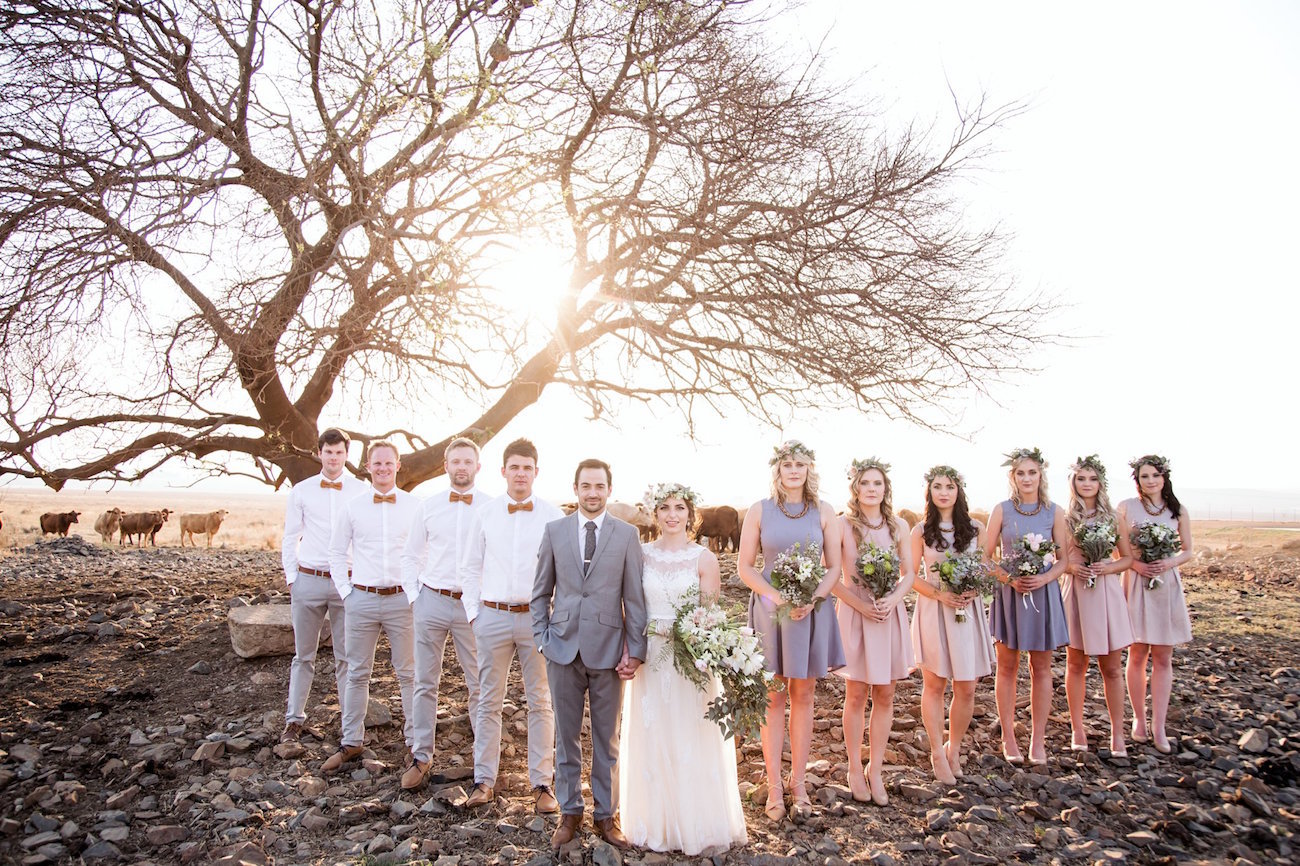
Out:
{"x": 587, "y": 602}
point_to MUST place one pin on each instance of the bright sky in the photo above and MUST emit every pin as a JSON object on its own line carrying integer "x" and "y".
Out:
{"x": 1151, "y": 186}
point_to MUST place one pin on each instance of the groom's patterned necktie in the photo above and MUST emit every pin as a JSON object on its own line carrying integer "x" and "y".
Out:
{"x": 589, "y": 546}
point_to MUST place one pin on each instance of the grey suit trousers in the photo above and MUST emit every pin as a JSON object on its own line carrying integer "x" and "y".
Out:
{"x": 571, "y": 686}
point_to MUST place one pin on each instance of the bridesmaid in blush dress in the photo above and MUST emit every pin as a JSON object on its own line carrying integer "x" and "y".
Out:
{"x": 945, "y": 648}
{"x": 877, "y": 649}
{"x": 1027, "y": 613}
{"x": 806, "y": 645}
{"x": 1159, "y": 614}
{"x": 1097, "y": 615}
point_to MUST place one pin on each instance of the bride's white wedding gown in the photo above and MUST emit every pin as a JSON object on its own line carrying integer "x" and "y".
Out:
{"x": 677, "y": 775}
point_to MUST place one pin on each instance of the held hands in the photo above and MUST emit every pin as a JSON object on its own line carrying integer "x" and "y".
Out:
{"x": 954, "y": 601}
{"x": 1029, "y": 583}
{"x": 800, "y": 612}
{"x": 1150, "y": 569}
{"x": 627, "y": 666}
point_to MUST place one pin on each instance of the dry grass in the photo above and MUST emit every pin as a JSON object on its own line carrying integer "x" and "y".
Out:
{"x": 255, "y": 520}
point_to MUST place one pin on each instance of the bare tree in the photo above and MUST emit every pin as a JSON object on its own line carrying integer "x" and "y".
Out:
{"x": 215, "y": 215}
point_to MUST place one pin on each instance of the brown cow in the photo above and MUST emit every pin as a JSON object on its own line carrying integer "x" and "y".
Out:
{"x": 58, "y": 522}
{"x": 910, "y": 516}
{"x": 107, "y": 524}
{"x": 981, "y": 516}
{"x": 140, "y": 524}
{"x": 206, "y": 522}
{"x": 638, "y": 516}
{"x": 721, "y": 525}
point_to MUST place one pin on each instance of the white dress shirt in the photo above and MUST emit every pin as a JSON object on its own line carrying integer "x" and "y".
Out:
{"x": 309, "y": 520}
{"x": 437, "y": 542}
{"x": 599, "y": 520}
{"x": 376, "y": 532}
{"x": 501, "y": 560}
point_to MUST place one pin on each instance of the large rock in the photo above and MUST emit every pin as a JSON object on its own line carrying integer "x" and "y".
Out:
{"x": 265, "y": 630}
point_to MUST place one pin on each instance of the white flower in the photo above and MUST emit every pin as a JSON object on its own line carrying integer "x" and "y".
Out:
{"x": 701, "y": 664}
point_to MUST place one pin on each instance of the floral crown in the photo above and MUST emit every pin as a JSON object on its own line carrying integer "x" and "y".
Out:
{"x": 1160, "y": 463}
{"x": 946, "y": 471}
{"x": 1019, "y": 454}
{"x": 656, "y": 494}
{"x": 1093, "y": 462}
{"x": 857, "y": 467}
{"x": 791, "y": 448}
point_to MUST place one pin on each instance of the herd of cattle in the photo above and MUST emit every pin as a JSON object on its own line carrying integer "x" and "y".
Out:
{"x": 137, "y": 526}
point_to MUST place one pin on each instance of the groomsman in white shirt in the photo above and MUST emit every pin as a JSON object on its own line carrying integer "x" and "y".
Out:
{"x": 374, "y": 525}
{"x": 304, "y": 553}
{"x": 431, "y": 564}
{"x": 499, "y": 567}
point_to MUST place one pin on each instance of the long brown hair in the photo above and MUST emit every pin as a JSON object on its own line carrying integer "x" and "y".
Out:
{"x": 853, "y": 511}
{"x": 963, "y": 528}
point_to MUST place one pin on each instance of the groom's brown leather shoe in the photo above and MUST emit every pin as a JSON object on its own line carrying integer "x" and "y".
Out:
{"x": 480, "y": 796}
{"x": 611, "y": 832}
{"x": 568, "y": 829}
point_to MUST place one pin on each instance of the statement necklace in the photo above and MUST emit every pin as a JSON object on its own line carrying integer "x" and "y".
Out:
{"x": 1038, "y": 506}
{"x": 874, "y": 527}
{"x": 945, "y": 527}
{"x": 1147, "y": 507}
{"x": 806, "y": 505}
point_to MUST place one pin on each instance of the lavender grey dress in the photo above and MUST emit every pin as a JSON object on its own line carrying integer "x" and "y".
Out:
{"x": 1038, "y": 622}
{"x": 803, "y": 649}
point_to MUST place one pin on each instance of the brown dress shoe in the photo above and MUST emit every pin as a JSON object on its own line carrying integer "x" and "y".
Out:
{"x": 480, "y": 796}
{"x": 292, "y": 732}
{"x": 416, "y": 775}
{"x": 544, "y": 801}
{"x": 611, "y": 832}
{"x": 341, "y": 757}
{"x": 568, "y": 829}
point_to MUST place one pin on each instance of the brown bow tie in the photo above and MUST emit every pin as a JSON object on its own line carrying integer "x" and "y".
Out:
{"x": 512, "y": 507}
{"x": 331, "y": 485}
{"x": 467, "y": 498}
{"x": 390, "y": 498}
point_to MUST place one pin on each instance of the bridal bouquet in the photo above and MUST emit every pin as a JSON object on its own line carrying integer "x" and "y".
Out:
{"x": 877, "y": 570}
{"x": 1154, "y": 542}
{"x": 960, "y": 573}
{"x": 1030, "y": 555}
{"x": 796, "y": 574}
{"x": 1096, "y": 539}
{"x": 707, "y": 643}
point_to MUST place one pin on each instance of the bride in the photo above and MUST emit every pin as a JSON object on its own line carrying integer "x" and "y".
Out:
{"x": 677, "y": 775}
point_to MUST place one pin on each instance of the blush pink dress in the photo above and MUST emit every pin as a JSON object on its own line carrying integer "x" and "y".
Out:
{"x": 953, "y": 650}
{"x": 1158, "y": 616}
{"x": 877, "y": 653}
{"x": 1097, "y": 616}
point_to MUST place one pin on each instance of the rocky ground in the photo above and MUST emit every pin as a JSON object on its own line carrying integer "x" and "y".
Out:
{"x": 129, "y": 732}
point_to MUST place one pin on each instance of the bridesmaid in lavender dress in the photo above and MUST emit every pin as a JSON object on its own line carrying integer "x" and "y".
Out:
{"x": 877, "y": 649}
{"x": 1159, "y": 613}
{"x": 1027, "y": 613}
{"x": 945, "y": 648}
{"x": 1097, "y": 615}
{"x": 806, "y": 645}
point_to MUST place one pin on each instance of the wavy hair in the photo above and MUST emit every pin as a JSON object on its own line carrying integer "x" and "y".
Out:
{"x": 853, "y": 511}
{"x": 1042, "y": 481}
{"x": 1077, "y": 512}
{"x": 963, "y": 528}
{"x": 1160, "y": 465}
{"x": 811, "y": 484}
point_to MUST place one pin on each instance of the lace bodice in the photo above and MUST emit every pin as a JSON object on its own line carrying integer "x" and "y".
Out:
{"x": 669, "y": 575}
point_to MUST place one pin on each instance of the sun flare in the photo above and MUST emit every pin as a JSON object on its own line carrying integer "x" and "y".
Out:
{"x": 529, "y": 279}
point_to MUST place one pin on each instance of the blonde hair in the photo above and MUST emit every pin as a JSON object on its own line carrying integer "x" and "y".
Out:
{"x": 1042, "y": 482}
{"x": 810, "y": 484}
{"x": 1077, "y": 512}
{"x": 853, "y": 511}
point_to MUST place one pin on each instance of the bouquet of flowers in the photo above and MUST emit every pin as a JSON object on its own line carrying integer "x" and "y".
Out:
{"x": 796, "y": 574}
{"x": 707, "y": 643}
{"x": 877, "y": 570}
{"x": 1029, "y": 555}
{"x": 1154, "y": 542}
{"x": 1096, "y": 538}
{"x": 960, "y": 573}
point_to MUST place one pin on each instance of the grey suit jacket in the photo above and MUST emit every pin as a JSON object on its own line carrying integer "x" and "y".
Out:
{"x": 589, "y": 615}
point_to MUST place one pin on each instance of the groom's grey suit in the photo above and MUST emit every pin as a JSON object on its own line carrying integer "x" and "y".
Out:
{"x": 580, "y": 622}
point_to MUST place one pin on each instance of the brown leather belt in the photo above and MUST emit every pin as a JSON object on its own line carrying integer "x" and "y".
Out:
{"x": 315, "y": 572}
{"x": 447, "y": 592}
{"x": 378, "y": 590}
{"x": 509, "y": 608}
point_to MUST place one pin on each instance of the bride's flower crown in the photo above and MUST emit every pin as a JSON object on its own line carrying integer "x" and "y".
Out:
{"x": 1019, "y": 454}
{"x": 946, "y": 472}
{"x": 857, "y": 467}
{"x": 1093, "y": 462}
{"x": 656, "y": 494}
{"x": 791, "y": 448}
